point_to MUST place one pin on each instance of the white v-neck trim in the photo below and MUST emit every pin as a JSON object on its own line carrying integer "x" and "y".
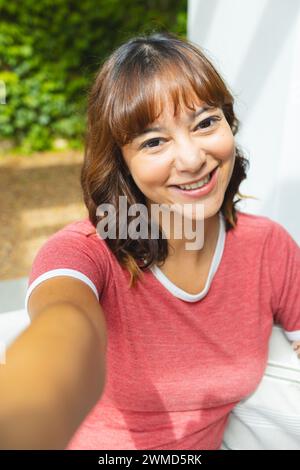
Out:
{"x": 180, "y": 293}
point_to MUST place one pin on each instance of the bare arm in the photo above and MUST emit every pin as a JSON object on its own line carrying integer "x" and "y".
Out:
{"x": 54, "y": 373}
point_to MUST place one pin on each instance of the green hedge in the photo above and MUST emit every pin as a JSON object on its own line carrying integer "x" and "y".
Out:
{"x": 49, "y": 50}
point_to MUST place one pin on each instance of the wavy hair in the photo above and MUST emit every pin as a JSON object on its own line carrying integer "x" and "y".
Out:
{"x": 122, "y": 101}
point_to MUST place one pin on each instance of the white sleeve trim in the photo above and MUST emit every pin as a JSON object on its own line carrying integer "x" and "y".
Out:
{"x": 293, "y": 335}
{"x": 59, "y": 272}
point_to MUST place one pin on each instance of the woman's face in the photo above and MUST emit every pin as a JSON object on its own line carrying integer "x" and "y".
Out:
{"x": 182, "y": 150}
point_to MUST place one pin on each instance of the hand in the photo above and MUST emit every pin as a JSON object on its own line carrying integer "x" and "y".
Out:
{"x": 296, "y": 347}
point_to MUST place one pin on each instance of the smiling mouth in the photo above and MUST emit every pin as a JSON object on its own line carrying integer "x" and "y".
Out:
{"x": 204, "y": 179}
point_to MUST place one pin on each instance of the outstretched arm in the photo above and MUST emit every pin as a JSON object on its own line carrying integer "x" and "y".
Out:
{"x": 54, "y": 374}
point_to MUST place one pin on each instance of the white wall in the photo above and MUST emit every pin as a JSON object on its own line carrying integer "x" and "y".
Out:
{"x": 255, "y": 44}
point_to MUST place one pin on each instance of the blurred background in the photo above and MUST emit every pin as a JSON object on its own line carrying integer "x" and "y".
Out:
{"x": 49, "y": 53}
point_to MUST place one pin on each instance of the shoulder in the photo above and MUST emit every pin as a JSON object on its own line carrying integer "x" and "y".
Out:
{"x": 261, "y": 231}
{"x": 253, "y": 222}
{"x": 75, "y": 250}
{"x": 83, "y": 227}
{"x": 75, "y": 246}
{"x": 258, "y": 226}
{"x": 81, "y": 233}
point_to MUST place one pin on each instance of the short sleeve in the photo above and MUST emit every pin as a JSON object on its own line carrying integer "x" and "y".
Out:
{"x": 284, "y": 269}
{"x": 69, "y": 253}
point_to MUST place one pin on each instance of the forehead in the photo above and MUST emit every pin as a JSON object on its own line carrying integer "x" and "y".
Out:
{"x": 174, "y": 105}
{"x": 169, "y": 112}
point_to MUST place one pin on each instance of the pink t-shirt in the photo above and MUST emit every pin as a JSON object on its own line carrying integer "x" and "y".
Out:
{"x": 178, "y": 363}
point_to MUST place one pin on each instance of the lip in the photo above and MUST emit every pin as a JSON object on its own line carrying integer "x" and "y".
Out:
{"x": 195, "y": 181}
{"x": 195, "y": 193}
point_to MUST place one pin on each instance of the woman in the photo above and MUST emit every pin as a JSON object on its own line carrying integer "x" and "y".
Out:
{"x": 149, "y": 343}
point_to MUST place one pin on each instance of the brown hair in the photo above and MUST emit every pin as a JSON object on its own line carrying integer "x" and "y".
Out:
{"x": 122, "y": 102}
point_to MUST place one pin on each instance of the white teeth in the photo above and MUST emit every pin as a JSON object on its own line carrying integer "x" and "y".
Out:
{"x": 196, "y": 185}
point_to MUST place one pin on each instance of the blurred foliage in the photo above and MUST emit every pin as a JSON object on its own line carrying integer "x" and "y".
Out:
{"x": 49, "y": 52}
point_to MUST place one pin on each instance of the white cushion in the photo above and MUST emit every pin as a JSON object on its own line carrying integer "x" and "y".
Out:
{"x": 270, "y": 417}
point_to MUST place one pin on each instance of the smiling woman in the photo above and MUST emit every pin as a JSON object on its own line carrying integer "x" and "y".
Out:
{"x": 166, "y": 88}
{"x": 169, "y": 339}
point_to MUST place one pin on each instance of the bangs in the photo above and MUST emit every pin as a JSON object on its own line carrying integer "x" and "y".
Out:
{"x": 144, "y": 88}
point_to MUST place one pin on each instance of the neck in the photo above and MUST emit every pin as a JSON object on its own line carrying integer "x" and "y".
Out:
{"x": 178, "y": 247}
{"x": 195, "y": 256}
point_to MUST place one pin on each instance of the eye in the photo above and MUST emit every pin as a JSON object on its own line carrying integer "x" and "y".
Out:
{"x": 151, "y": 143}
{"x": 206, "y": 123}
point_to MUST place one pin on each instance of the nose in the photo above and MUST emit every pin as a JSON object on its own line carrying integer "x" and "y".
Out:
{"x": 189, "y": 157}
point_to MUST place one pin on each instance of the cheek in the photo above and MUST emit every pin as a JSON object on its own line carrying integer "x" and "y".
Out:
{"x": 227, "y": 168}
{"x": 230, "y": 169}
{"x": 150, "y": 171}
{"x": 224, "y": 146}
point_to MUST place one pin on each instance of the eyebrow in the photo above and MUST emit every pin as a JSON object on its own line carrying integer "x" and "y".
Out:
{"x": 191, "y": 118}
